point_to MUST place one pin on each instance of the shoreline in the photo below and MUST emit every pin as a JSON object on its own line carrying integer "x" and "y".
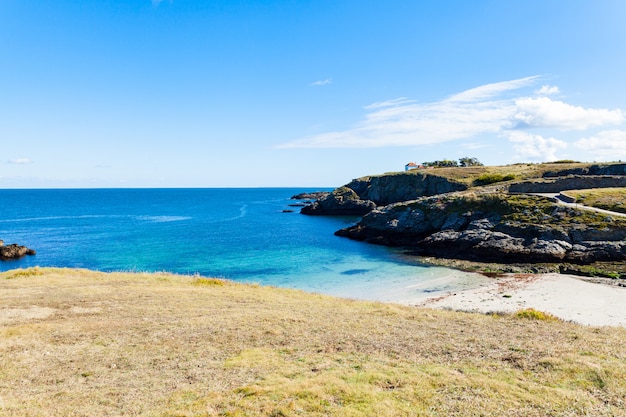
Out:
{"x": 567, "y": 297}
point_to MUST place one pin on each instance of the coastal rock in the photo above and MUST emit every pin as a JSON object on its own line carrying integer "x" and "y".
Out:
{"x": 14, "y": 251}
{"x": 315, "y": 195}
{"x": 362, "y": 195}
{"x": 402, "y": 186}
{"x": 571, "y": 182}
{"x": 342, "y": 201}
{"x": 514, "y": 230}
{"x": 433, "y": 213}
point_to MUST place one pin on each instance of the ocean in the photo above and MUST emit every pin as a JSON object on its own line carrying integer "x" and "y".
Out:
{"x": 245, "y": 235}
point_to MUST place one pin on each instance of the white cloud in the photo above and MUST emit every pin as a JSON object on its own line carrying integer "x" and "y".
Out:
{"x": 609, "y": 145}
{"x": 529, "y": 147}
{"x": 544, "y": 112}
{"x": 548, "y": 90}
{"x": 322, "y": 82}
{"x": 491, "y": 109}
{"x": 20, "y": 161}
{"x": 492, "y": 90}
{"x": 403, "y": 122}
{"x": 389, "y": 103}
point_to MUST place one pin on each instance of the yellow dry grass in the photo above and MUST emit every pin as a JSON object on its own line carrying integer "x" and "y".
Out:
{"x": 613, "y": 199}
{"x": 468, "y": 175}
{"x": 82, "y": 343}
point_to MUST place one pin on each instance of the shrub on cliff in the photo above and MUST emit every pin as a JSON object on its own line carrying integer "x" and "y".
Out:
{"x": 486, "y": 179}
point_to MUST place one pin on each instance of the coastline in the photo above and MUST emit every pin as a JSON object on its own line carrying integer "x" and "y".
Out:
{"x": 567, "y": 297}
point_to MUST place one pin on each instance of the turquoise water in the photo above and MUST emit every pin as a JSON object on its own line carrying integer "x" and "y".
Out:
{"x": 239, "y": 234}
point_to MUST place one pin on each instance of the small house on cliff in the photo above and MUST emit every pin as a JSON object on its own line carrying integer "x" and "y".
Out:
{"x": 412, "y": 165}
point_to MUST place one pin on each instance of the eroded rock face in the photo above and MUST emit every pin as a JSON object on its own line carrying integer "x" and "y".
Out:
{"x": 572, "y": 182}
{"x": 389, "y": 189}
{"x": 362, "y": 195}
{"x": 13, "y": 251}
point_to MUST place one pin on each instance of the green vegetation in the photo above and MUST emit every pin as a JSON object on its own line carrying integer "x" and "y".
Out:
{"x": 516, "y": 208}
{"x": 87, "y": 343}
{"x": 463, "y": 162}
{"x": 612, "y": 270}
{"x": 532, "y": 314}
{"x": 613, "y": 199}
{"x": 563, "y": 161}
{"x": 469, "y": 162}
{"x": 491, "y": 178}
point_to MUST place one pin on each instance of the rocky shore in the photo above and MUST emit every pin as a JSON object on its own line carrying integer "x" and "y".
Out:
{"x": 14, "y": 251}
{"x": 437, "y": 214}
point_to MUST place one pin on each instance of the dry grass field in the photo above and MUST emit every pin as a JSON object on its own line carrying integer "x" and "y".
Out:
{"x": 613, "y": 199}
{"x": 82, "y": 343}
{"x": 469, "y": 175}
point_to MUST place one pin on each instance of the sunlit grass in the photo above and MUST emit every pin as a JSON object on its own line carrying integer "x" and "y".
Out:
{"x": 613, "y": 199}
{"x": 86, "y": 343}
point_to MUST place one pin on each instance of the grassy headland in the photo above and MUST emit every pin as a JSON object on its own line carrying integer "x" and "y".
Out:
{"x": 613, "y": 199}
{"x": 82, "y": 343}
{"x": 471, "y": 176}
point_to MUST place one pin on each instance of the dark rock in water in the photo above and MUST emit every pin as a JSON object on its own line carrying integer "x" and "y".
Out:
{"x": 287, "y": 211}
{"x": 315, "y": 195}
{"x": 342, "y": 201}
{"x": 298, "y": 205}
{"x": 14, "y": 251}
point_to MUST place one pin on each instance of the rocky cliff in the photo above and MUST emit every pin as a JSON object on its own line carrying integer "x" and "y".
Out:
{"x": 437, "y": 212}
{"x": 570, "y": 182}
{"x": 364, "y": 194}
{"x": 495, "y": 227}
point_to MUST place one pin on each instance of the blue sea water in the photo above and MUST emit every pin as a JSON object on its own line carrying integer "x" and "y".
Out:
{"x": 238, "y": 234}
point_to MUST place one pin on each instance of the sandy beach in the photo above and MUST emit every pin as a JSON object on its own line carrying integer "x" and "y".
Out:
{"x": 565, "y": 296}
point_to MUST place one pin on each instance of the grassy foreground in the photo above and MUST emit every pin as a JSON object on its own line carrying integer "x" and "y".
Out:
{"x": 82, "y": 343}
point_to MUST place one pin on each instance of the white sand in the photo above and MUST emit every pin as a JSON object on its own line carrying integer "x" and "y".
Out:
{"x": 564, "y": 296}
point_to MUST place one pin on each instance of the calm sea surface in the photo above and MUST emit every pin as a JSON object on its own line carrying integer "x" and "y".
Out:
{"x": 239, "y": 234}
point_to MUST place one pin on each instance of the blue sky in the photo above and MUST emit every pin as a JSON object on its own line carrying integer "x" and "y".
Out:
{"x": 181, "y": 93}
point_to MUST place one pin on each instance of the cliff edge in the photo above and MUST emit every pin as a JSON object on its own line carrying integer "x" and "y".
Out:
{"x": 362, "y": 195}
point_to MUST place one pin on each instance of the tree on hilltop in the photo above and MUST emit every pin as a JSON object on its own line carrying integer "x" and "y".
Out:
{"x": 463, "y": 162}
{"x": 469, "y": 162}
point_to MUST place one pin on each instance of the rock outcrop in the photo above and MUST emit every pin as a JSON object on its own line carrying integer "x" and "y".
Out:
{"x": 13, "y": 251}
{"x": 342, "y": 201}
{"x": 435, "y": 214}
{"x": 363, "y": 195}
{"x": 571, "y": 182}
{"x": 498, "y": 228}
{"x": 310, "y": 195}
